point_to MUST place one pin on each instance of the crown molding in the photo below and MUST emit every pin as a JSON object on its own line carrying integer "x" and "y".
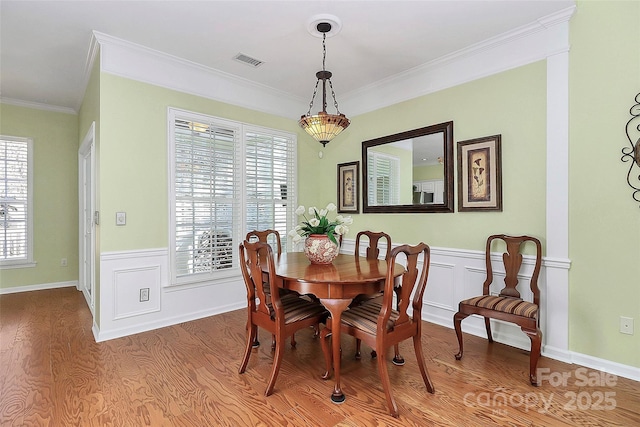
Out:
{"x": 37, "y": 105}
{"x": 92, "y": 54}
{"x": 533, "y": 42}
{"x": 136, "y": 62}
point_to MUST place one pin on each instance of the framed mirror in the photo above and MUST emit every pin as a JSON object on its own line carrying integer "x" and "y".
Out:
{"x": 409, "y": 172}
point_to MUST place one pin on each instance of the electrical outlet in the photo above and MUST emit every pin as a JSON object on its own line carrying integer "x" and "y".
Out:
{"x": 626, "y": 325}
{"x": 63, "y": 262}
{"x": 144, "y": 294}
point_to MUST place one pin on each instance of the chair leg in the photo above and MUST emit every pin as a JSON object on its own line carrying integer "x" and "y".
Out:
{"x": 273, "y": 342}
{"x": 417, "y": 345}
{"x": 358, "y": 356}
{"x": 457, "y": 324}
{"x": 487, "y": 326}
{"x": 293, "y": 340}
{"x": 536, "y": 343}
{"x": 325, "y": 334}
{"x": 386, "y": 384}
{"x": 397, "y": 359}
{"x": 277, "y": 359}
{"x": 252, "y": 336}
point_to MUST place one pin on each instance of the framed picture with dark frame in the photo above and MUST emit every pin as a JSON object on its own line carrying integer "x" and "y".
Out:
{"x": 480, "y": 174}
{"x": 348, "y": 185}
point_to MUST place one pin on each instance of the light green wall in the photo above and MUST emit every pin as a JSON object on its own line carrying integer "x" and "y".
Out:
{"x": 422, "y": 173}
{"x": 512, "y": 103}
{"x": 604, "y": 221}
{"x": 133, "y": 156}
{"x": 55, "y": 193}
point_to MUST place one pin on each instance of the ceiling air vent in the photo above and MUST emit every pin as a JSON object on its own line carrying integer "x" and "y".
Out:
{"x": 241, "y": 57}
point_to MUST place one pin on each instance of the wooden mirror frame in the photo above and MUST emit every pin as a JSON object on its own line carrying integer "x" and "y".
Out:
{"x": 448, "y": 205}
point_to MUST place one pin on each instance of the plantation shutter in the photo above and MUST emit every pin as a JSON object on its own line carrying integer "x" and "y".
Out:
{"x": 15, "y": 209}
{"x": 269, "y": 168}
{"x": 226, "y": 178}
{"x": 384, "y": 179}
{"x": 206, "y": 199}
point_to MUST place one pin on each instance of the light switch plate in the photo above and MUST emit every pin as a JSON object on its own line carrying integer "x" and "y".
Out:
{"x": 121, "y": 218}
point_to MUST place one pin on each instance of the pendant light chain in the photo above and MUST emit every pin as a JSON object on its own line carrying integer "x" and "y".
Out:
{"x": 313, "y": 97}
{"x": 324, "y": 58}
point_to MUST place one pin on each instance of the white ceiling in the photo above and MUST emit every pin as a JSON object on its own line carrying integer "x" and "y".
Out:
{"x": 44, "y": 44}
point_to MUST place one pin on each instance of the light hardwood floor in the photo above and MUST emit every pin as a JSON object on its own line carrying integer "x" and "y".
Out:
{"x": 53, "y": 373}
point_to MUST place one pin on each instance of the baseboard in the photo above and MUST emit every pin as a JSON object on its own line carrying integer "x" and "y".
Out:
{"x": 521, "y": 342}
{"x": 618, "y": 369}
{"x": 40, "y": 287}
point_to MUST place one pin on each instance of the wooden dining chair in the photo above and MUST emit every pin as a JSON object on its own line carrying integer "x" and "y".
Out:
{"x": 381, "y": 326}
{"x": 372, "y": 251}
{"x": 508, "y": 305}
{"x": 268, "y": 236}
{"x": 279, "y": 316}
{"x": 272, "y": 237}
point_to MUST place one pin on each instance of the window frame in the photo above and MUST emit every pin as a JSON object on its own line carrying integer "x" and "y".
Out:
{"x": 28, "y": 260}
{"x": 239, "y": 226}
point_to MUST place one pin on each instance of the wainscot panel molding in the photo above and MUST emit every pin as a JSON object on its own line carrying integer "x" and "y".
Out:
{"x": 461, "y": 274}
{"x": 457, "y": 274}
{"x": 454, "y": 274}
{"x": 124, "y": 274}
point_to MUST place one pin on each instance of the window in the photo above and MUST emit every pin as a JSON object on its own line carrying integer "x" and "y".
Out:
{"x": 16, "y": 211}
{"x": 384, "y": 179}
{"x": 226, "y": 178}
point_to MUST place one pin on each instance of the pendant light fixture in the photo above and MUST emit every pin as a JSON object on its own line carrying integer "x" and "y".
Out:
{"x": 323, "y": 127}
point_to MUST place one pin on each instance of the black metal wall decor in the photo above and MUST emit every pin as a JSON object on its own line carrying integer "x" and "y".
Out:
{"x": 632, "y": 153}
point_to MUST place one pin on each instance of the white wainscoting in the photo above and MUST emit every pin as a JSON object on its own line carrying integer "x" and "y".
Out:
{"x": 454, "y": 275}
{"x": 457, "y": 274}
{"x": 123, "y": 274}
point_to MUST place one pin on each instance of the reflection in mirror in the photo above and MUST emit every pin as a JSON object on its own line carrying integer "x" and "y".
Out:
{"x": 410, "y": 171}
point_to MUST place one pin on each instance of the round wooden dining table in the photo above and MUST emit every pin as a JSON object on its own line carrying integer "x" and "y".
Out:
{"x": 335, "y": 285}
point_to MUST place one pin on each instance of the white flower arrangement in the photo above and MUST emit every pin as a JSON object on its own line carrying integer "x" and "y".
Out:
{"x": 320, "y": 224}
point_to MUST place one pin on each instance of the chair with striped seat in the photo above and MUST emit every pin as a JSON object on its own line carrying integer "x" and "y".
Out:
{"x": 381, "y": 326}
{"x": 282, "y": 317}
{"x": 372, "y": 251}
{"x": 272, "y": 237}
{"x": 508, "y": 305}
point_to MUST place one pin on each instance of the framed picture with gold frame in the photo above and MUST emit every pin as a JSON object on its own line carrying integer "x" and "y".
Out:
{"x": 480, "y": 174}
{"x": 348, "y": 187}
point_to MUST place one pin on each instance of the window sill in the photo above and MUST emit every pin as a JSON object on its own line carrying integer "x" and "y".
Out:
{"x": 17, "y": 264}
